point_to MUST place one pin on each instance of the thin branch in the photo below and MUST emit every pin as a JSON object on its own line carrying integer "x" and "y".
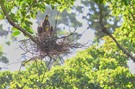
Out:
{"x": 63, "y": 37}
{"x": 71, "y": 33}
{"x": 104, "y": 29}
{"x": 14, "y": 24}
{"x": 55, "y": 28}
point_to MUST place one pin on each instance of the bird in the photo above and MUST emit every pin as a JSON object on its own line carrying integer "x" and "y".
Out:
{"x": 51, "y": 30}
{"x": 39, "y": 30}
{"x": 46, "y": 24}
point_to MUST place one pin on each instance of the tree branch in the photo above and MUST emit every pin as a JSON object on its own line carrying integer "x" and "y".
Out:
{"x": 14, "y": 24}
{"x": 104, "y": 29}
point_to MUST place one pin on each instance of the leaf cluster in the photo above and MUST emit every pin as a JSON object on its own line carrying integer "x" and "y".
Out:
{"x": 90, "y": 69}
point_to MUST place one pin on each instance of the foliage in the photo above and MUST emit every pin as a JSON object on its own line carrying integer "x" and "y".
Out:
{"x": 24, "y": 79}
{"x": 98, "y": 67}
{"x": 89, "y": 69}
{"x": 5, "y": 78}
{"x": 125, "y": 33}
{"x": 92, "y": 17}
{"x": 2, "y": 31}
{"x": 3, "y": 58}
{"x": 29, "y": 9}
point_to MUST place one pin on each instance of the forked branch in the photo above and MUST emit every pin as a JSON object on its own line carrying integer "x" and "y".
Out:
{"x": 104, "y": 29}
{"x": 24, "y": 31}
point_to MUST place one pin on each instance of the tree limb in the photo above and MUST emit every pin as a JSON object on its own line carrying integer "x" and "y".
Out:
{"x": 104, "y": 29}
{"x": 14, "y": 24}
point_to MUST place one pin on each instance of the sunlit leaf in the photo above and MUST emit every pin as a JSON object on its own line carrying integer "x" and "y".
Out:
{"x": 1, "y": 17}
{"x": 15, "y": 33}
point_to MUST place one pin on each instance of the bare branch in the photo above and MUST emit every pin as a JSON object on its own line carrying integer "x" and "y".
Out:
{"x": 14, "y": 24}
{"x": 71, "y": 33}
{"x": 55, "y": 28}
{"x": 104, "y": 29}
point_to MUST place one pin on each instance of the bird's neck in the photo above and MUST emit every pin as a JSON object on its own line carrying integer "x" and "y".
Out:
{"x": 46, "y": 19}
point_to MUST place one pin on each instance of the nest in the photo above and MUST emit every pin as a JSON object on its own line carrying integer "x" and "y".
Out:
{"x": 48, "y": 45}
{"x": 52, "y": 45}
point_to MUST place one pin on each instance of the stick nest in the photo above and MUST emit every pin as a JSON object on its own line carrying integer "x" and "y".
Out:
{"x": 49, "y": 45}
{"x": 52, "y": 45}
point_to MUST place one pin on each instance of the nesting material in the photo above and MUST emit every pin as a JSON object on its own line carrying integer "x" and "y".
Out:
{"x": 48, "y": 45}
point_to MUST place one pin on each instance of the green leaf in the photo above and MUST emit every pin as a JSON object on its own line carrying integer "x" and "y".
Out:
{"x": 96, "y": 1}
{"x": 30, "y": 31}
{"x": 1, "y": 17}
{"x": 8, "y": 42}
{"x": 12, "y": 15}
{"x": 52, "y": 7}
{"x": 4, "y": 59}
{"x": 126, "y": 2}
{"x": 28, "y": 23}
{"x": 99, "y": 1}
{"x": 15, "y": 33}
{"x": 23, "y": 12}
{"x": 28, "y": 16}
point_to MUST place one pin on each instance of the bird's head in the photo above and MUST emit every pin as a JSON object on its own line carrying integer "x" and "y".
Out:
{"x": 46, "y": 17}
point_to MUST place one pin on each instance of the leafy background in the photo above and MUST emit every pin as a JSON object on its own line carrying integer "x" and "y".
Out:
{"x": 101, "y": 66}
